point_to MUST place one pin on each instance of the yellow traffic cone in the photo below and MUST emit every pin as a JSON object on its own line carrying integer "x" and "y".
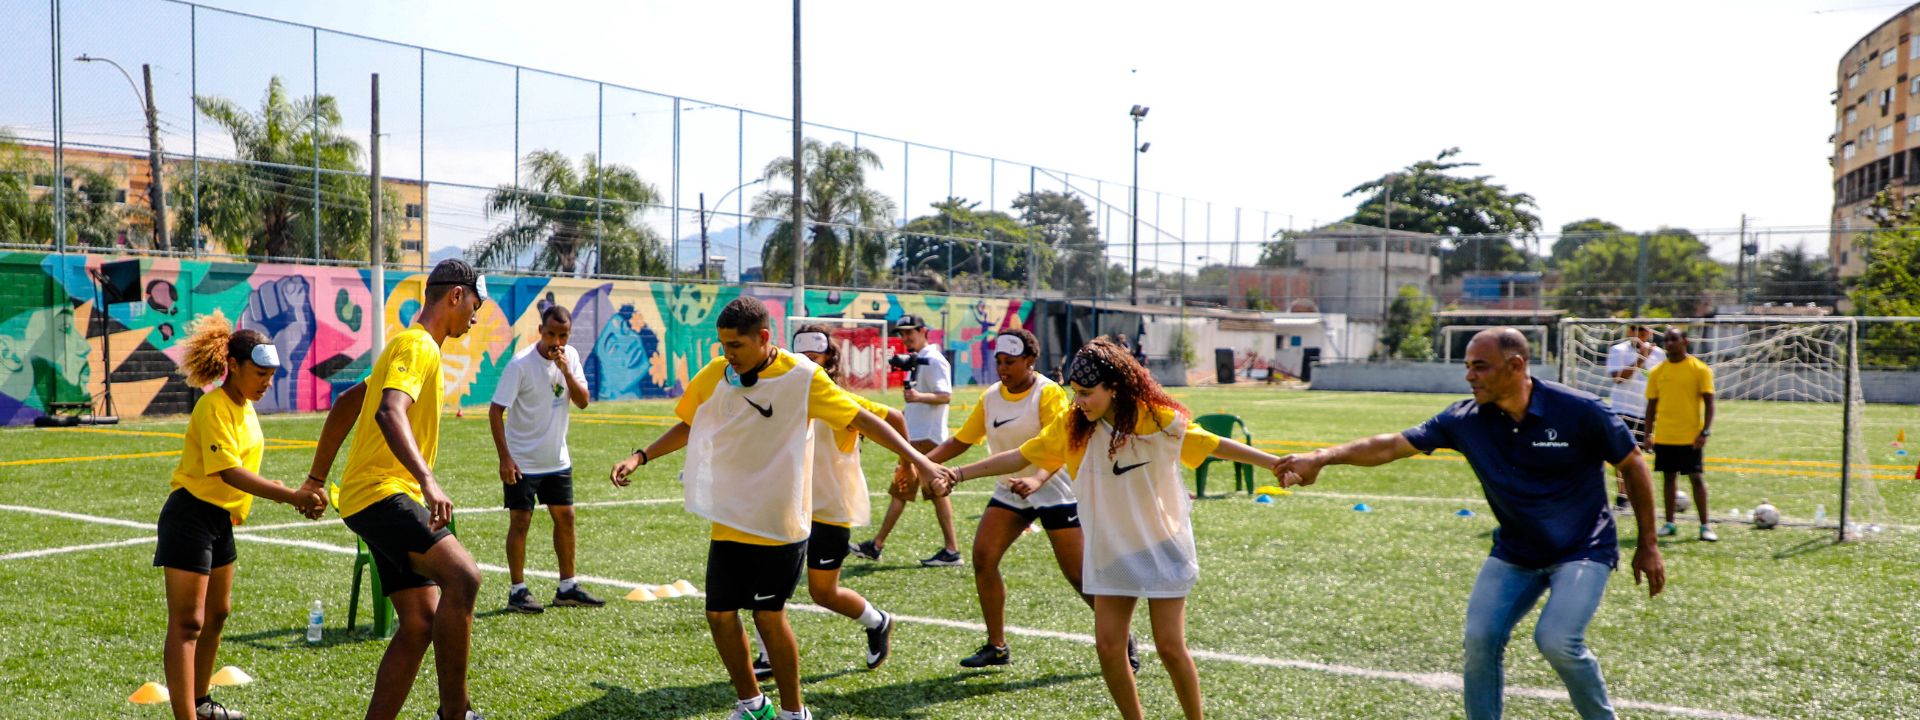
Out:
{"x": 685, "y": 588}
{"x": 666, "y": 591}
{"x": 152, "y": 693}
{"x": 230, "y": 675}
{"x": 644, "y": 593}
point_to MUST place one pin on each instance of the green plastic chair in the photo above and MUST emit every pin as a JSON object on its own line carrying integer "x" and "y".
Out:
{"x": 385, "y": 620}
{"x": 1223, "y": 426}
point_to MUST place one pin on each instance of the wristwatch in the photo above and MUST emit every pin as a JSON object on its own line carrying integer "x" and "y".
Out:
{"x": 1707, "y": 432}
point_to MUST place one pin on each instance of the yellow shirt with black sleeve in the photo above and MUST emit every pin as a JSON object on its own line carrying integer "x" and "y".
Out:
{"x": 221, "y": 435}
{"x": 1679, "y": 385}
{"x": 1053, "y": 406}
{"x": 1050, "y": 450}
{"x": 410, "y": 364}
{"x": 825, "y": 401}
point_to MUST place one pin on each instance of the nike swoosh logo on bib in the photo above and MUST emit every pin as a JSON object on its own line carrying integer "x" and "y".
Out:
{"x": 998, "y": 423}
{"x": 765, "y": 412}
{"x": 1119, "y": 469}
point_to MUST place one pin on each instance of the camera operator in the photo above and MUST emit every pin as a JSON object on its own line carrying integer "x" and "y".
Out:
{"x": 928, "y": 390}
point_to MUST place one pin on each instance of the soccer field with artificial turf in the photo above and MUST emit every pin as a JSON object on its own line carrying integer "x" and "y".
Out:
{"x": 1305, "y": 607}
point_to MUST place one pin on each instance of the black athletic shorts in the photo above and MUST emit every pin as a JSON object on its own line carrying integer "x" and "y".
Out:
{"x": 1677, "y": 459}
{"x": 195, "y": 535}
{"x": 554, "y": 488}
{"x": 1637, "y": 426}
{"x": 392, "y": 528}
{"x": 752, "y": 577}
{"x": 827, "y": 548}
{"x": 1051, "y": 517}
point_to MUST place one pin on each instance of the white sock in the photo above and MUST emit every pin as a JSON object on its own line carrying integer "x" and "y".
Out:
{"x": 753, "y": 703}
{"x": 872, "y": 617}
{"x": 517, "y": 587}
{"x": 800, "y": 714}
{"x": 567, "y": 584}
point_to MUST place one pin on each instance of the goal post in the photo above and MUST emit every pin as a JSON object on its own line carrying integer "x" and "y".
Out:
{"x": 863, "y": 345}
{"x": 1789, "y": 412}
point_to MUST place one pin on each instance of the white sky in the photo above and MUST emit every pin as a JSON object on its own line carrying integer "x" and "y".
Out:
{"x": 1683, "y": 113}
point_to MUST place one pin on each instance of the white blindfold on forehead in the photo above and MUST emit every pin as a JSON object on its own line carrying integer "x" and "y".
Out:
{"x": 810, "y": 342}
{"x": 266, "y": 356}
{"x": 1009, "y": 345}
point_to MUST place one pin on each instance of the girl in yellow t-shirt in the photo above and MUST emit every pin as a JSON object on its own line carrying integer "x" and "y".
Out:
{"x": 213, "y": 490}
{"x": 1123, "y": 447}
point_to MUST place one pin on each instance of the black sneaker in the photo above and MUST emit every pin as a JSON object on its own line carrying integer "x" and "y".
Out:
{"x": 987, "y": 655}
{"x": 577, "y": 597}
{"x": 521, "y": 601}
{"x": 1133, "y": 654}
{"x": 880, "y": 641}
{"x": 865, "y": 550}
{"x": 211, "y": 710}
{"x": 1620, "y": 501}
{"x": 762, "y": 667}
{"x": 944, "y": 558}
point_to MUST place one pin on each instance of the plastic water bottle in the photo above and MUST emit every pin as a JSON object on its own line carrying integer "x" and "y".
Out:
{"x": 1819, "y": 514}
{"x": 315, "y": 618}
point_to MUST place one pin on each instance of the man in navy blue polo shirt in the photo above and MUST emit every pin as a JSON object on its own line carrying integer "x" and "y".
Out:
{"x": 1538, "y": 448}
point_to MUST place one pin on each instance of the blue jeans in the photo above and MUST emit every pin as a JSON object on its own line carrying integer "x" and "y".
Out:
{"x": 1506, "y": 592}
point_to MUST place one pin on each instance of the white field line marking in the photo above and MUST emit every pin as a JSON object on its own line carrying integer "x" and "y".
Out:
{"x": 74, "y": 548}
{"x": 1432, "y": 681}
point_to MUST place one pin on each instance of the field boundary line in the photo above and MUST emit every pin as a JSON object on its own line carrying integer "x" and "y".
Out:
{"x": 1431, "y": 681}
{"x": 44, "y": 552}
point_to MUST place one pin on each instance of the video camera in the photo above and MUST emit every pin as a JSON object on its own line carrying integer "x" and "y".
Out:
{"x": 906, "y": 363}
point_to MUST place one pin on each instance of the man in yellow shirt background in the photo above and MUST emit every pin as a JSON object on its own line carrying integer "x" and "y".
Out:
{"x": 1680, "y": 407}
{"x": 391, "y": 499}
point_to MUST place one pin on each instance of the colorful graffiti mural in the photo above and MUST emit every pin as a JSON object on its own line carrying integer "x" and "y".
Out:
{"x": 637, "y": 339}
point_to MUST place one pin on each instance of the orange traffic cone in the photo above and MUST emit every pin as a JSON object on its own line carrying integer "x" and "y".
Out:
{"x": 151, "y": 693}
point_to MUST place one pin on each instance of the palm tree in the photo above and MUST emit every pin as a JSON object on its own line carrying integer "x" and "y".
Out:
{"x": 263, "y": 203}
{"x": 846, "y": 218}
{"x": 563, "y": 212}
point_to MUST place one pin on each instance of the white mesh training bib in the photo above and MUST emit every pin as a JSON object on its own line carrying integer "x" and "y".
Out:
{"x": 839, "y": 484}
{"x": 750, "y": 456}
{"x": 1134, "y": 513}
{"x": 1009, "y": 424}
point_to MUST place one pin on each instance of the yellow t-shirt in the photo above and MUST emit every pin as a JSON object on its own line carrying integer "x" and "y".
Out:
{"x": 1679, "y": 385}
{"x": 410, "y": 364}
{"x": 1053, "y": 405}
{"x": 1050, "y": 450}
{"x": 825, "y": 401}
{"x": 220, "y": 436}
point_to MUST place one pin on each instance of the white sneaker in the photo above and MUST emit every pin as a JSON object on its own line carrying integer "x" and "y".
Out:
{"x": 211, "y": 710}
{"x": 1707, "y": 534}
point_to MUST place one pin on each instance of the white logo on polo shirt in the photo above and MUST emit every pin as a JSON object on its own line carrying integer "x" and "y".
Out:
{"x": 1552, "y": 441}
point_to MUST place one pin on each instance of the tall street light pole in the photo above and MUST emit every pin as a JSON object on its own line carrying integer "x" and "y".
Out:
{"x": 704, "y": 216}
{"x": 156, "y": 193}
{"x": 1138, "y": 113}
{"x": 799, "y": 306}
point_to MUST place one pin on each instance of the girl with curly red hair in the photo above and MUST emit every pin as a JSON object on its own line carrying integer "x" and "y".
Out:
{"x": 1134, "y": 507}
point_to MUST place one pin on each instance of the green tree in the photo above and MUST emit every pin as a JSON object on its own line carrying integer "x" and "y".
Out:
{"x": 263, "y": 203}
{"x": 1600, "y": 277}
{"x": 18, "y": 217}
{"x": 561, "y": 212}
{"x": 1282, "y": 251}
{"x": 1793, "y": 276}
{"x": 1573, "y": 234}
{"x": 929, "y": 246}
{"x": 1481, "y": 218}
{"x": 846, "y": 220}
{"x": 1890, "y": 286}
{"x": 1064, "y": 223}
{"x": 1409, "y": 331}
{"x": 95, "y": 217}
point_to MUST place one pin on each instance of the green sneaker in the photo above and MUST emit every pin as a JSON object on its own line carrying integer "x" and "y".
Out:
{"x": 1668, "y": 530}
{"x": 767, "y": 711}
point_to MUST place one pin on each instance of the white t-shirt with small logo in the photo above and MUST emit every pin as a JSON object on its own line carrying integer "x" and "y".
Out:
{"x": 1629, "y": 397}
{"x": 929, "y": 422}
{"x": 535, "y": 396}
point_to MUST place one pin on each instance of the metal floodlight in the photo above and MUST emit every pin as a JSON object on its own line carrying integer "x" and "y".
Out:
{"x": 1138, "y": 111}
{"x": 1144, "y": 146}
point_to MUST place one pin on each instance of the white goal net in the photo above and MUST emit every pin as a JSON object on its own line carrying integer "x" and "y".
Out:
{"x": 1789, "y": 415}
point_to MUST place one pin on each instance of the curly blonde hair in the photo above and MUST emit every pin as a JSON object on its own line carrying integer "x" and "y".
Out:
{"x": 211, "y": 340}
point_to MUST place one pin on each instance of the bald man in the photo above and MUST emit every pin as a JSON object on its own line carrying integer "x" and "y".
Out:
{"x": 1537, "y": 448}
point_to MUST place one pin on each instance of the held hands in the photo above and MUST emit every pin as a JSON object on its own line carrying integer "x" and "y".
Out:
{"x": 1297, "y": 469}
{"x": 310, "y": 499}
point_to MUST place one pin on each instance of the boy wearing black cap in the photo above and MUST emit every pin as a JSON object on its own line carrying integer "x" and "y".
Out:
{"x": 391, "y": 499}
{"x": 927, "y": 392}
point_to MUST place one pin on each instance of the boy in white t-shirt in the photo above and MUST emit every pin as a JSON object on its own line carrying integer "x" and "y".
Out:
{"x": 1628, "y": 363}
{"x": 531, "y": 439}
